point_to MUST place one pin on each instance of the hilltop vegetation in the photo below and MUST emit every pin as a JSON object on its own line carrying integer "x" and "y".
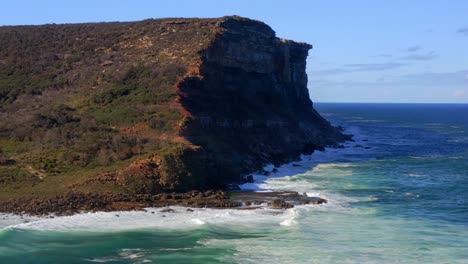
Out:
{"x": 118, "y": 107}
{"x": 78, "y": 100}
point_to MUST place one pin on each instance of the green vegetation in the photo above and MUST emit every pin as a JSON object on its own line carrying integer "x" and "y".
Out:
{"x": 3, "y": 158}
{"x": 80, "y": 100}
{"x": 140, "y": 96}
{"x": 16, "y": 177}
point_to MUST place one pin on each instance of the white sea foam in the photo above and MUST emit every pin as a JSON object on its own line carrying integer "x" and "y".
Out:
{"x": 132, "y": 254}
{"x": 175, "y": 249}
{"x": 334, "y": 165}
{"x": 198, "y": 221}
{"x": 302, "y": 176}
{"x": 291, "y": 220}
{"x": 335, "y": 169}
{"x": 415, "y": 175}
{"x": 101, "y": 260}
{"x": 180, "y": 219}
{"x": 11, "y": 219}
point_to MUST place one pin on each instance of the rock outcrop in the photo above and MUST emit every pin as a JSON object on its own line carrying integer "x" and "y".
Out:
{"x": 73, "y": 203}
{"x": 250, "y": 93}
{"x": 151, "y": 107}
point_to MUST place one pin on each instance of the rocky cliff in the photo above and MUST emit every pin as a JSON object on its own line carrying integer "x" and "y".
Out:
{"x": 150, "y": 106}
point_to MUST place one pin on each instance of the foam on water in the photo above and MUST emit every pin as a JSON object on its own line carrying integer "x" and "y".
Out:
{"x": 154, "y": 219}
{"x": 303, "y": 176}
{"x": 123, "y": 255}
{"x": 291, "y": 220}
{"x": 11, "y": 219}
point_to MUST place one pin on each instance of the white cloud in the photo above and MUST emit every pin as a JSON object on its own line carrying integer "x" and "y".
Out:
{"x": 463, "y": 31}
{"x": 421, "y": 57}
{"x": 413, "y": 48}
{"x": 459, "y": 93}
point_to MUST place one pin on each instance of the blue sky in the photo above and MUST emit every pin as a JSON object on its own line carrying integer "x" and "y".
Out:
{"x": 364, "y": 51}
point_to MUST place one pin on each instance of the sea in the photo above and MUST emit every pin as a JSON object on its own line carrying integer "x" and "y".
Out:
{"x": 397, "y": 194}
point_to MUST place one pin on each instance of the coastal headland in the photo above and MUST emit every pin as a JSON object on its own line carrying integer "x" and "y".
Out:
{"x": 125, "y": 115}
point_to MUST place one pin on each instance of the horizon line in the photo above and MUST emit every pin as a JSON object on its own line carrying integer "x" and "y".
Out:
{"x": 330, "y": 102}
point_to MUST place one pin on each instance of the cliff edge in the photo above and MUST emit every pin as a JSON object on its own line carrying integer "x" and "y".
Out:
{"x": 149, "y": 107}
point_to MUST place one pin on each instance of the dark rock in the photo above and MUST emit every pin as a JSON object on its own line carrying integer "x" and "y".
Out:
{"x": 249, "y": 179}
{"x": 339, "y": 146}
{"x": 74, "y": 202}
{"x": 232, "y": 187}
{"x": 280, "y": 204}
{"x": 313, "y": 200}
{"x": 167, "y": 210}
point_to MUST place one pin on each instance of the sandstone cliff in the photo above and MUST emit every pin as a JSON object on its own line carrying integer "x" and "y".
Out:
{"x": 150, "y": 106}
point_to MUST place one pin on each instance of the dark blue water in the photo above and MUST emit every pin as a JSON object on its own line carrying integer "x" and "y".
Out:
{"x": 421, "y": 150}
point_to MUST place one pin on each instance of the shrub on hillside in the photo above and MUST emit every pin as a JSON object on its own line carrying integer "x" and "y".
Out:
{"x": 3, "y": 158}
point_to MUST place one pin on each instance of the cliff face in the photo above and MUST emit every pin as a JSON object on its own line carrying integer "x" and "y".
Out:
{"x": 151, "y": 106}
{"x": 250, "y": 104}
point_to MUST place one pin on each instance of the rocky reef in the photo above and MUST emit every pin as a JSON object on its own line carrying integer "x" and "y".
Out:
{"x": 73, "y": 203}
{"x": 150, "y": 107}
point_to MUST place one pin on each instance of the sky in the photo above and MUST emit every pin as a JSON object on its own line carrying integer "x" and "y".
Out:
{"x": 364, "y": 51}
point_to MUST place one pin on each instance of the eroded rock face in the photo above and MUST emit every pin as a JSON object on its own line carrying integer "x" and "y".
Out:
{"x": 251, "y": 94}
{"x": 248, "y": 59}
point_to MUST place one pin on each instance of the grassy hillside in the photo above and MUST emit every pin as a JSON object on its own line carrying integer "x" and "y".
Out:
{"x": 81, "y": 101}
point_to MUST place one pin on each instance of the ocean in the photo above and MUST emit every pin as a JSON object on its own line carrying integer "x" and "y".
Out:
{"x": 397, "y": 194}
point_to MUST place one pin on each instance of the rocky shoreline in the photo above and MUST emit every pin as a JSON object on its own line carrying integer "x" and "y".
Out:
{"x": 73, "y": 203}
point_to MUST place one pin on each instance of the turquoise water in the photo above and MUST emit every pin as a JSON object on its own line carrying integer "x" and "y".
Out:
{"x": 398, "y": 194}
